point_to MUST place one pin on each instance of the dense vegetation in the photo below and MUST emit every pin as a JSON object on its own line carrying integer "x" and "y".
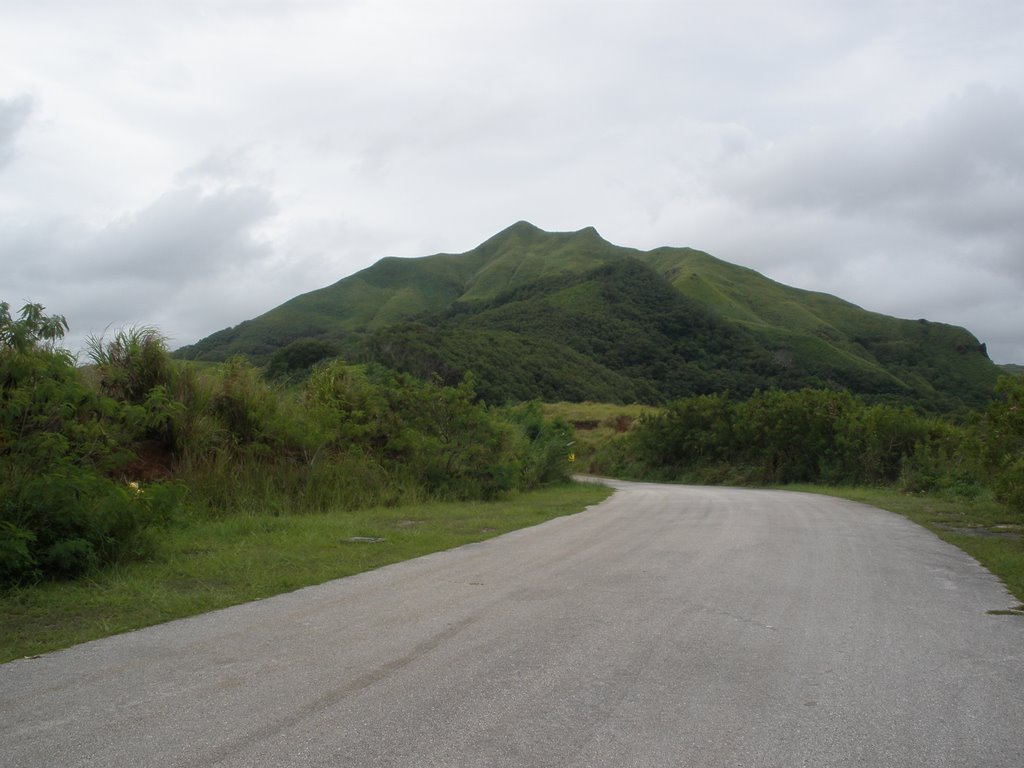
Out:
{"x": 828, "y": 437}
{"x": 569, "y": 316}
{"x": 94, "y": 460}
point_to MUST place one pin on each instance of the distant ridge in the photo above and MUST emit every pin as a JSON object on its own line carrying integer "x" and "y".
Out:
{"x": 568, "y": 315}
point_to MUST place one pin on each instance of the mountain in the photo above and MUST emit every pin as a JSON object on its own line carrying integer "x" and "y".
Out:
{"x": 568, "y": 315}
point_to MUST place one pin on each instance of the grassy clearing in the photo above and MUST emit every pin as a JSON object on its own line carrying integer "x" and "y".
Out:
{"x": 208, "y": 564}
{"x": 597, "y": 424}
{"x": 982, "y": 528}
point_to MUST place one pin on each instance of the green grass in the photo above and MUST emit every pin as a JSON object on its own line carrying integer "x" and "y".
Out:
{"x": 208, "y": 564}
{"x": 596, "y": 424}
{"x": 982, "y": 528}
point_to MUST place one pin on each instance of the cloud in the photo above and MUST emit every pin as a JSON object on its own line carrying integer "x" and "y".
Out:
{"x": 13, "y": 116}
{"x": 185, "y": 235}
{"x": 971, "y": 143}
{"x": 143, "y": 268}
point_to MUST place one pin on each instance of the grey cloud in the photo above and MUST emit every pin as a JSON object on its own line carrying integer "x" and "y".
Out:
{"x": 183, "y": 235}
{"x": 13, "y": 115}
{"x": 974, "y": 143}
{"x": 38, "y": 248}
{"x": 220, "y": 166}
{"x": 143, "y": 267}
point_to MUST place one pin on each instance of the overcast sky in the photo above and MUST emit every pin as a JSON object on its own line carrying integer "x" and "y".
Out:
{"x": 190, "y": 165}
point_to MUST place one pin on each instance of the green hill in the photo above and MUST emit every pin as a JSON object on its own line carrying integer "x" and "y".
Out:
{"x": 569, "y": 316}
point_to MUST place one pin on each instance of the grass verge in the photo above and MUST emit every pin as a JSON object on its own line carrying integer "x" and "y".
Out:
{"x": 982, "y": 528}
{"x": 208, "y": 564}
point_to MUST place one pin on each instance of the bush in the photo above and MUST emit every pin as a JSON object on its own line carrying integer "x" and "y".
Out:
{"x": 1009, "y": 485}
{"x": 1005, "y": 441}
{"x": 61, "y": 444}
{"x": 16, "y": 560}
{"x": 244, "y": 404}
{"x": 69, "y": 558}
{"x": 873, "y": 443}
{"x": 71, "y": 520}
{"x": 548, "y": 446}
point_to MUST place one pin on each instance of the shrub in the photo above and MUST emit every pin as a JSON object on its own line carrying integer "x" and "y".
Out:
{"x": 944, "y": 461}
{"x": 873, "y": 444}
{"x": 1005, "y": 441}
{"x": 69, "y": 558}
{"x": 62, "y": 444}
{"x": 16, "y": 560}
{"x": 1009, "y": 485}
{"x": 76, "y": 520}
{"x": 547, "y": 444}
{"x": 244, "y": 403}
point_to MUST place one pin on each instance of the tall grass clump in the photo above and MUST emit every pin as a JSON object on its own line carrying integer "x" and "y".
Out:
{"x": 131, "y": 364}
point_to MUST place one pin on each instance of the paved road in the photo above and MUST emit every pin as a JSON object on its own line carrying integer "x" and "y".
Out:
{"x": 669, "y": 626}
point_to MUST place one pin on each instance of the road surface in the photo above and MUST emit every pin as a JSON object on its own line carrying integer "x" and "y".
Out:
{"x": 669, "y": 626}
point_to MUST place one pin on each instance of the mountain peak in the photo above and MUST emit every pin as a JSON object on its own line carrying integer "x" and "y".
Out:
{"x": 524, "y": 228}
{"x": 521, "y": 228}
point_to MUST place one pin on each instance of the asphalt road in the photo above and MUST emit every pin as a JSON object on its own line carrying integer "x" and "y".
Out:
{"x": 669, "y": 626}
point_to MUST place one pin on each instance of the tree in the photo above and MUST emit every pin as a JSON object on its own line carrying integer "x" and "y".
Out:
{"x": 32, "y": 331}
